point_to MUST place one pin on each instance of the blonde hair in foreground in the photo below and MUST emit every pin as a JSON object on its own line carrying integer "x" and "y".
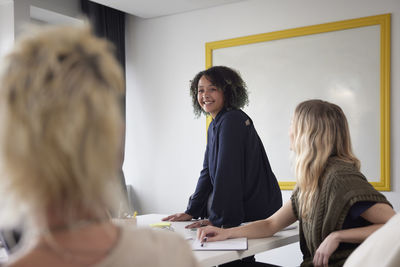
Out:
{"x": 320, "y": 131}
{"x": 61, "y": 129}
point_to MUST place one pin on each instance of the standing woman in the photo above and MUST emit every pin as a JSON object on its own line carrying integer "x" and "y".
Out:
{"x": 335, "y": 205}
{"x": 236, "y": 184}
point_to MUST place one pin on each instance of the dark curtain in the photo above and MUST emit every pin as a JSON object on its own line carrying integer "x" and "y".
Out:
{"x": 109, "y": 23}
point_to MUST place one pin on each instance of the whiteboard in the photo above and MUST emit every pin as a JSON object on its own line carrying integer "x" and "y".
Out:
{"x": 342, "y": 67}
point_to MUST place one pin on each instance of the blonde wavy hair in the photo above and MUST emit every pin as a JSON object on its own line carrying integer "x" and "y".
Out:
{"x": 61, "y": 126}
{"x": 320, "y": 131}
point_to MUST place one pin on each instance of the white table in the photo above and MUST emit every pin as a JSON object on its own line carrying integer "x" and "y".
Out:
{"x": 212, "y": 258}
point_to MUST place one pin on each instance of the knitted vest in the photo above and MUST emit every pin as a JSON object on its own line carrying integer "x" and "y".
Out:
{"x": 342, "y": 186}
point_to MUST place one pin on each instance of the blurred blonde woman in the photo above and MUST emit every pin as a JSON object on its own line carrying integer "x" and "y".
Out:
{"x": 335, "y": 205}
{"x": 60, "y": 143}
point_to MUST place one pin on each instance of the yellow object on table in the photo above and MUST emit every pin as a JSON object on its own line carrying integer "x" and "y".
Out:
{"x": 161, "y": 225}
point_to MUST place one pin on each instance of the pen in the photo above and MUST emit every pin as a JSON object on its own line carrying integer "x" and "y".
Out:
{"x": 204, "y": 240}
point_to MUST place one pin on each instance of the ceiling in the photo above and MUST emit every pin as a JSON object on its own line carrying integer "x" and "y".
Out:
{"x": 158, "y": 8}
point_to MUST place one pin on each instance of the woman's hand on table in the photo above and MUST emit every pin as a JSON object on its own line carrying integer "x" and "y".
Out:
{"x": 199, "y": 224}
{"x": 211, "y": 233}
{"x": 178, "y": 217}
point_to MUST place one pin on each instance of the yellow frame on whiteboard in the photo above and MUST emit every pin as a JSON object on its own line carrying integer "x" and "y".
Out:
{"x": 384, "y": 22}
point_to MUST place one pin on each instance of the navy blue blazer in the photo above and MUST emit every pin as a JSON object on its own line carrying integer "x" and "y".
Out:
{"x": 236, "y": 184}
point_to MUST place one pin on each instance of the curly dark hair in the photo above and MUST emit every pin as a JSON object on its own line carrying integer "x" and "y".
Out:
{"x": 225, "y": 79}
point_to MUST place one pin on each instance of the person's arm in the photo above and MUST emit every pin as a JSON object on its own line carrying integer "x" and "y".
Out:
{"x": 178, "y": 217}
{"x": 258, "y": 229}
{"x": 197, "y": 206}
{"x": 377, "y": 214}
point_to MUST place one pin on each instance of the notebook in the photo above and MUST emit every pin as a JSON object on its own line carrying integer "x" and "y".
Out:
{"x": 229, "y": 244}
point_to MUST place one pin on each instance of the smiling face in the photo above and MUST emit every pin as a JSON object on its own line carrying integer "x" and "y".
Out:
{"x": 210, "y": 98}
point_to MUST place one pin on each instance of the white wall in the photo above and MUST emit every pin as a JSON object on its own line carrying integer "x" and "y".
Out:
{"x": 22, "y": 12}
{"x": 69, "y": 8}
{"x": 14, "y": 14}
{"x": 165, "y": 143}
{"x": 6, "y": 26}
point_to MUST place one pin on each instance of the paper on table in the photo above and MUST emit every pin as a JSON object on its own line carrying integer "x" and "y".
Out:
{"x": 229, "y": 244}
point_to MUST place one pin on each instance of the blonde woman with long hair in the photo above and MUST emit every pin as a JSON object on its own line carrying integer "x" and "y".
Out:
{"x": 60, "y": 144}
{"x": 335, "y": 205}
